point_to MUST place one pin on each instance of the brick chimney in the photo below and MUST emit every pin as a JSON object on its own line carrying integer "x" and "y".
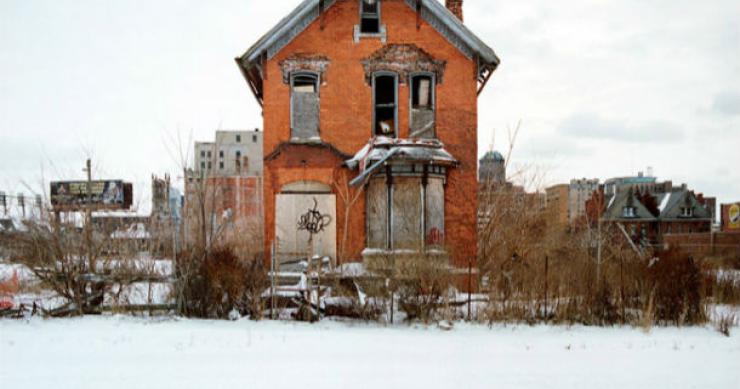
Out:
{"x": 456, "y": 7}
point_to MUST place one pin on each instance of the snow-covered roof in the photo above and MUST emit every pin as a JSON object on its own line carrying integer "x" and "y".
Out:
{"x": 292, "y": 25}
{"x": 383, "y": 149}
{"x": 433, "y": 12}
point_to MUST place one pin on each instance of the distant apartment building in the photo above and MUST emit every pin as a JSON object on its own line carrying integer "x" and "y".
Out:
{"x": 579, "y": 192}
{"x": 566, "y": 203}
{"x": 227, "y": 179}
{"x": 232, "y": 153}
{"x": 557, "y": 203}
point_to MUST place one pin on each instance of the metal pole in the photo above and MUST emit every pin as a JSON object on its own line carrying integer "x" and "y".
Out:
{"x": 272, "y": 279}
{"x": 470, "y": 286}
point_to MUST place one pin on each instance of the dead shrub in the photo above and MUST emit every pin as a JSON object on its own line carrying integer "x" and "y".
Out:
{"x": 219, "y": 282}
{"x": 678, "y": 284}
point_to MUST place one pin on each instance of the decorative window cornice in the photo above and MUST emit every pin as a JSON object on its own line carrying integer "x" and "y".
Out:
{"x": 404, "y": 60}
{"x": 304, "y": 62}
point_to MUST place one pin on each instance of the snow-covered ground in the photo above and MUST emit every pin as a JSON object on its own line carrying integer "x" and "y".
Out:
{"x": 125, "y": 352}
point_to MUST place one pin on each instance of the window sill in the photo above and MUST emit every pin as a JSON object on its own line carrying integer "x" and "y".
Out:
{"x": 382, "y": 35}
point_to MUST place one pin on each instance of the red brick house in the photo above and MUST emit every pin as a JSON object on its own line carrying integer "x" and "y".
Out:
{"x": 376, "y": 98}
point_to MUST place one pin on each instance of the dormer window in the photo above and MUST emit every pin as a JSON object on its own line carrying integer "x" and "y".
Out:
{"x": 687, "y": 212}
{"x": 629, "y": 212}
{"x": 370, "y": 16}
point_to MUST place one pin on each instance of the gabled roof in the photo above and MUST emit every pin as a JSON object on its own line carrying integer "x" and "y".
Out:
{"x": 434, "y": 13}
{"x": 677, "y": 199}
{"x": 625, "y": 199}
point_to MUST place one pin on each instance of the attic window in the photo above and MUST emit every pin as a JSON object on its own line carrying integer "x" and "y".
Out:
{"x": 370, "y": 17}
{"x": 687, "y": 212}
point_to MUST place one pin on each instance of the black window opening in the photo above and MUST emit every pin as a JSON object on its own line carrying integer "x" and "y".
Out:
{"x": 221, "y": 165}
{"x": 422, "y": 106}
{"x": 238, "y": 138}
{"x": 370, "y": 17}
{"x": 220, "y": 153}
{"x": 254, "y": 138}
{"x": 304, "y": 106}
{"x": 385, "y": 101}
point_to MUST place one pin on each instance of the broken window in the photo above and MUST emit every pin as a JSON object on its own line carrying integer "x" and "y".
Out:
{"x": 385, "y": 103}
{"x": 370, "y": 16}
{"x": 304, "y": 106}
{"x": 422, "y": 106}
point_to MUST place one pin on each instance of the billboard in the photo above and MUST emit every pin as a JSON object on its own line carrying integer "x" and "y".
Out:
{"x": 104, "y": 194}
{"x": 733, "y": 216}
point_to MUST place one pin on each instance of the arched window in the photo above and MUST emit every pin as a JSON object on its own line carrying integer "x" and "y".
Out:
{"x": 304, "y": 106}
{"x": 385, "y": 104}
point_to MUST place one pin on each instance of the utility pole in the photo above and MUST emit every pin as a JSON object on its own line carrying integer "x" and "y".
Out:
{"x": 4, "y": 203}
{"x": 88, "y": 216}
{"x": 22, "y": 203}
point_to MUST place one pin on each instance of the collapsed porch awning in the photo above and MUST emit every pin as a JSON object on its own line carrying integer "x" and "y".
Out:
{"x": 382, "y": 150}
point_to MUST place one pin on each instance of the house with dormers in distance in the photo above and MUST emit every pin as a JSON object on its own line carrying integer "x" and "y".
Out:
{"x": 375, "y": 96}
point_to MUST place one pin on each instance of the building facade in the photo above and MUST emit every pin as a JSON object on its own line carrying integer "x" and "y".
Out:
{"x": 370, "y": 128}
{"x": 232, "y": 153}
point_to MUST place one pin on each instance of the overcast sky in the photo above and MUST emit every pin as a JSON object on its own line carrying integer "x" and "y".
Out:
{"x": 602, "y": 88}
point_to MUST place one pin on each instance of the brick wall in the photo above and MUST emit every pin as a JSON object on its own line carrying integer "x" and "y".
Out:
{"x": 346, "y": 114}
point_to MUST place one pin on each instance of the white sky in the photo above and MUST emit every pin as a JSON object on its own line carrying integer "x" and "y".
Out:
{"x": 602, "y": 88}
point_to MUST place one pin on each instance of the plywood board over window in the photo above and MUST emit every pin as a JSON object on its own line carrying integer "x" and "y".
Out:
{"x": 435, "y": 213}
{"x": 406, "y": 223}
{"x": 304, "y": 106}
{"x": 377, "y": 213}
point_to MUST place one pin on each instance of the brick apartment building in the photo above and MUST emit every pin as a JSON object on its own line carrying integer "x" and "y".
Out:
{"x": 379, "y": 96}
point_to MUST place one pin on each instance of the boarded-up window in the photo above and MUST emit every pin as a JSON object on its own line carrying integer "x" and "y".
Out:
{"x": 407, "y": 213}
{"x": 304, "y": 105}
{"x": 377, "y": 213}
{"x": 435, "y": 212}
{"x": 422, "y": 106}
